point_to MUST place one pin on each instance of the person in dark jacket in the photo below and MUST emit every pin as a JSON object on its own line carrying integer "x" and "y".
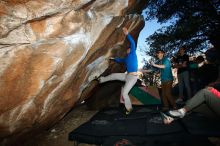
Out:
{"x": 182, "y": 62}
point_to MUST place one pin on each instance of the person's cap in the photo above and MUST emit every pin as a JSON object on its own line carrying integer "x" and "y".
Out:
{"x": 160, "y": 51}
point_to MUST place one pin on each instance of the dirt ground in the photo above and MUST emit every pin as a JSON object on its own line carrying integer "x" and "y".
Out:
{"x": 58, "y": 134}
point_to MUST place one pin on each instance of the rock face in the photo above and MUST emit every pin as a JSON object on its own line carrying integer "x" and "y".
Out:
{"x": 51, "y": 50}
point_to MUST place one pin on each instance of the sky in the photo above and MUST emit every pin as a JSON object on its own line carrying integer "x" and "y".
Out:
{"x": 149, "y": 28}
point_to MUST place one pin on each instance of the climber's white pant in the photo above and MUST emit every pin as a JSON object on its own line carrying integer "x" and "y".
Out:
{"x": 129, "y": 80}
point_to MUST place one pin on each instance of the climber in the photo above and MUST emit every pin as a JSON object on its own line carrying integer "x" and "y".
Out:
{"x": 130, "y": 77}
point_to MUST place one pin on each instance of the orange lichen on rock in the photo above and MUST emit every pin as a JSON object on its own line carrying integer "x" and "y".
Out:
{"x": 3, "y": 9}
{"x": 38, "y": 26}
{"x": 15, "y": 2}
{"x": 23, "y": 79}
{"x": 14, "y": 85}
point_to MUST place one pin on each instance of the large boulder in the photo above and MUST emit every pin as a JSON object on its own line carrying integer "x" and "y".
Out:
{"x": 50, "y": 52}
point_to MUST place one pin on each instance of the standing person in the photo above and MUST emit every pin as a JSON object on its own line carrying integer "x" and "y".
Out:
{"x": 130, "y": 78}
{"x": 166, "y": 80}
{"x": 194, "y": 68}
{"x": 182, "y": 62}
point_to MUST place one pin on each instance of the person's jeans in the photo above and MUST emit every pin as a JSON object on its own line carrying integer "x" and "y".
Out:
{"x": 129, "y": 80}
{"x": 183, "y": 79}
{"x": 204, "y": 96}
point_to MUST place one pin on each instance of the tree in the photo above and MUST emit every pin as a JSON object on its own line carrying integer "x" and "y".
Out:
{"x": 194, "y": 23}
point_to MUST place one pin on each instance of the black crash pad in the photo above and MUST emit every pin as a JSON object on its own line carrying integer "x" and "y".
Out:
{"x": 161, "y": 140}
{"x": 143, "y": 126}
{"x": 198, "y": 124}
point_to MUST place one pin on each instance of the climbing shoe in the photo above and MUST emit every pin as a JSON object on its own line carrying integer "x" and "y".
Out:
{"x": 127, "y": 112}
{"x": 97, "y": 78}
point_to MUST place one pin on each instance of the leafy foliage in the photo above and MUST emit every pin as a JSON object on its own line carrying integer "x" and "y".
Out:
{"x": 194, "y": 23}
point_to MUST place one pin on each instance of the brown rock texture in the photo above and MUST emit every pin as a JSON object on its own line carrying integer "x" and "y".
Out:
{"x": 50, "y": 51}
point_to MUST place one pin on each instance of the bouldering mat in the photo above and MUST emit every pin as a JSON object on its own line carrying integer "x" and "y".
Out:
{"x": 144, "y": 126}
{"x": 198, "y": 124}
{"x": 145, "y": 95}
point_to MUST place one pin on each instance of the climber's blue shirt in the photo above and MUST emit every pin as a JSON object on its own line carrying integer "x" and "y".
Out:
{"x": 130, "y": 61}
